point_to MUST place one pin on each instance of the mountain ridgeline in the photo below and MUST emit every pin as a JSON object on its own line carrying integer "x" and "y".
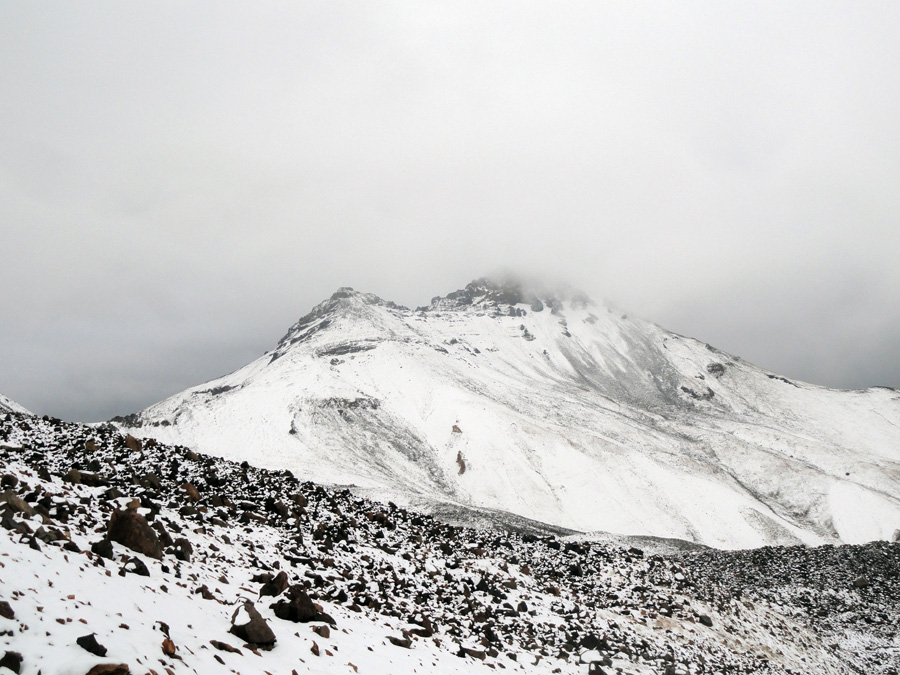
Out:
{"x": 496, "y": 402}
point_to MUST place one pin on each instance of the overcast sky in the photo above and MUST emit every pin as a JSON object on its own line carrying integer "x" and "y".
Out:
{"x": 180, "y": 181}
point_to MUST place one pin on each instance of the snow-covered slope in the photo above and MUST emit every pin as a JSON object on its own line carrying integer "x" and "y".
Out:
{"x": 8, "y": 405}
{"x": 555, "y": 409}
{"x": 118, "y": 557}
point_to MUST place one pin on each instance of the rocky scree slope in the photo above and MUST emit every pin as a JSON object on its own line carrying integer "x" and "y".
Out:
{"x": 556, "y": 409}
{"x": 121, "y": 556}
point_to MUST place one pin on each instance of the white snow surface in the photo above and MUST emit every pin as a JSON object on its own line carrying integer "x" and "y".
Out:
{"x": 521, "y": 604}
{"x": 575, "y": 415}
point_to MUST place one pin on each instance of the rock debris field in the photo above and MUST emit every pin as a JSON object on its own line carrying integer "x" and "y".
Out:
{"x": 122, "y": 556}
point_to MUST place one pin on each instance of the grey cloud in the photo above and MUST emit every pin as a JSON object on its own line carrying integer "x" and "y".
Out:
{"x": 178, "y": 183}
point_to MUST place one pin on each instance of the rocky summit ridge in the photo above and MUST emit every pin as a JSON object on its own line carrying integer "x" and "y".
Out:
{"x": 125, "y": 556}
{"x": 502, "y": 401}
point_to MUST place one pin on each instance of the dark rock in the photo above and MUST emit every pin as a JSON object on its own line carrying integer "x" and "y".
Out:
{"x": 6, "y": 611}
{"x": 134, "y": 566}
{"x": 706, "y": 620}
{"x": 861, "y": 581}
{"x": 275, "y": 586}
{"x": 590, "y": 642}
{"x": 89, "y": 643}
{"x": 299, "y": 608}
{"x": 11, "y": 660}
{"x": 715, "y": 369}
{"x": 183, "y": 549}
{"x": 473, "y": 653}
{"x": 131, "y": 529}
{"x": 224, "y": 647}
{"x": 151, "y": 480}
{"x": 16, "y": 503}
{"x": 165, "y": 539}
{"x": 8, "y": 481}
{"x": 404, "y": 642}
{"x": 204, "y": 593}
{"x": 93, "y": 480}
{"x": 103, "y": 548}
{"x": 191, "y": 491}
{"x": 254, "y": 629}
{"x": 110, "y": 669}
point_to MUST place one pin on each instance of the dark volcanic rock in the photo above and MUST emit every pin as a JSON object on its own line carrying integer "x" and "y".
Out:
{"x": 110, "y": 669}
{"x": 11, "y": 660}
{"x": 254, "y": 629}
{"x": 133, "y": 443}
{"x": 89, "y": 643}
{"x": 299, "y": 608}
{"x": 134, "y": 566}
{"x": 103, "y": 548}
{"x": 16, "y": 503}
{"x": 276, "y": 586}
{"x": 129, "y": 528}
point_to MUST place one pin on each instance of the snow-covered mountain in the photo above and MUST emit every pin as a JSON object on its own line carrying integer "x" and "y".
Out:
{"x": 556, "y": 409}
{"x": 8, "y": 405}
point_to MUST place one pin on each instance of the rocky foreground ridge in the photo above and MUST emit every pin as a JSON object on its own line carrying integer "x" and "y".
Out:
{"x": 118, "y": 556}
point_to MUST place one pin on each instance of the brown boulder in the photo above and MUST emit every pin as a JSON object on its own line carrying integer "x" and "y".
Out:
{"x": 110, "y": 669}
{"x": 183, "y": 549}
{"x": 224, "y": 646}
{"x": 16, "y": 503}
{"x": 131, "y": 529}
{"x": 133, "y": 443}
{"x": 275, "y": 586}
{"x": 191, "y": 491}
{"x": 299, "y": 608}
{"x": 89, "y": 643}
{"x": 11, "y": 660}
{"x": 248, "y": 625}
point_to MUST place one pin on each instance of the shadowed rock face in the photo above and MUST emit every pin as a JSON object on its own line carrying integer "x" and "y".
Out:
{"x": 131, "y": 529}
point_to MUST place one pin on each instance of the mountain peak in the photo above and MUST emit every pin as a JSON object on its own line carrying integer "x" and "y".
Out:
{"x": 509, "y": 291}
